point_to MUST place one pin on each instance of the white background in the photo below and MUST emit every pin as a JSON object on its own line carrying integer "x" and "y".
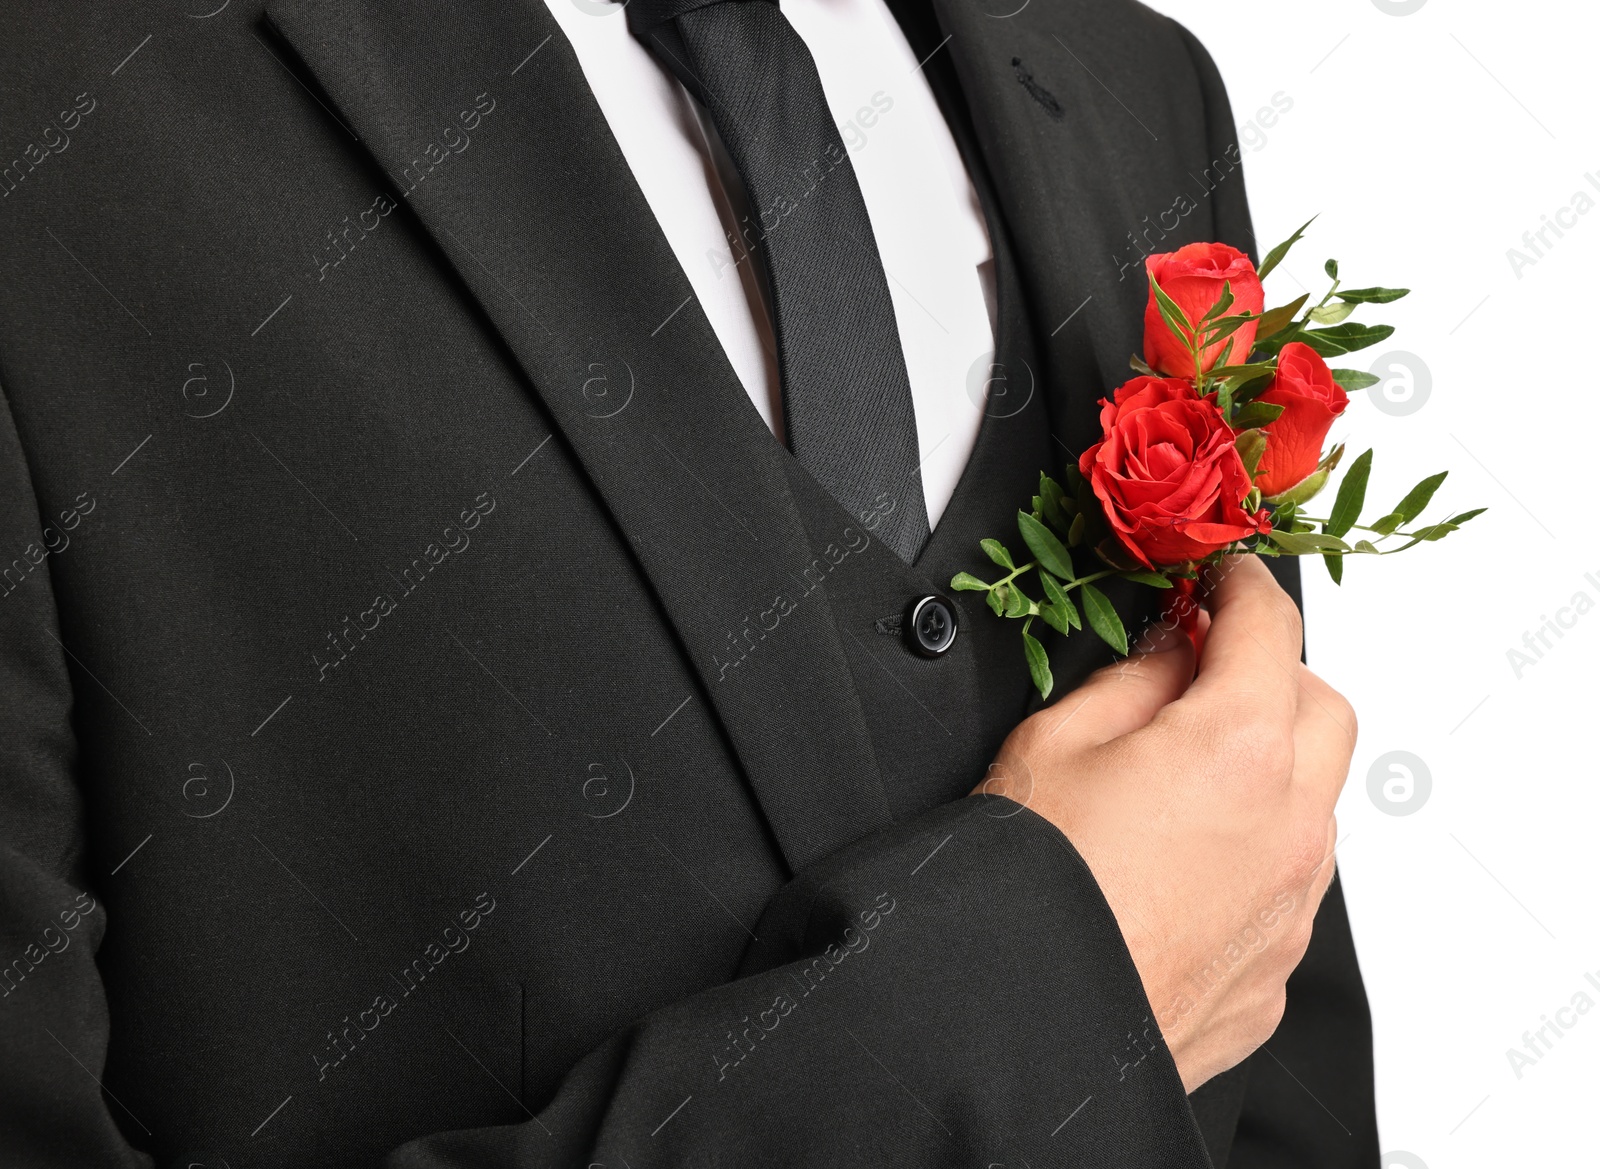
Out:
{"x": 1430, "y": 141}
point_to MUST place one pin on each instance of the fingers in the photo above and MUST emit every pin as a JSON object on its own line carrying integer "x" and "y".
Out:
{"x": 1124, "y": 697}
{"x": 1324, "y": 740}
{"x": 1252, "y": 648}
{"x": 1329, "y": 867}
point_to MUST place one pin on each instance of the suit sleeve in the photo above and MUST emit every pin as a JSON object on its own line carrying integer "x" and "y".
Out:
{"x": 952, "y": 990}
{"x": 53, "y": 1020}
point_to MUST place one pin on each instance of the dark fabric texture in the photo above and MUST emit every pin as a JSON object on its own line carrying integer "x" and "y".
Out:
{"x": 1310, "y": 1086}
{"x": 842, "y": 1043}
{"x": 847, "y": 408}
{"x": 440, "y": 723}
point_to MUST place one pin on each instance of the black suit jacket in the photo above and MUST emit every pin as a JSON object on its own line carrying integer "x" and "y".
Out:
{"x": 439, "y": 721}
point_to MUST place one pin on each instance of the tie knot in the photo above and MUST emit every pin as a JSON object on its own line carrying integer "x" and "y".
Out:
{"x": 645, "y": 16}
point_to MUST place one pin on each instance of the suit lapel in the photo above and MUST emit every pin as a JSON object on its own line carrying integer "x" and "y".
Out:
{"x": 1064, "y": 182}
{"x": 542, "y": 220}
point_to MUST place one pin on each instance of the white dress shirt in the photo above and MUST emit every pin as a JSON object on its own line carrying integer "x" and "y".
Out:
{"x": 926, "y": 217}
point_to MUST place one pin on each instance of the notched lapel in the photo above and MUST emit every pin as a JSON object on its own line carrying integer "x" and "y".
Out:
{"x": 1074, "y": 169}
{"x": 541, "y": 218}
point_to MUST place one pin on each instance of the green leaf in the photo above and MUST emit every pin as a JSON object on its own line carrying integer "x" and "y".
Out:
{"x": 1431, "y": 532}
{"x": 1055, "y": 618}
{"x": 1388, "y": 524}
{"x": 1458, "y": 520}
{"x": 1052, "y": 502}
{"x": 997, "y": 552}
{"x": 1154, "y": 579}
{"x": 1250, "y": 369}
{"x": 1139, "y": 365}
{"x": 1061, "y": 613}
{"x": 1335, "y": 568}
{"x": 1247, "y": 388}
{"x": 1227, "y": 350}
{"x": 965, "y": 582}
{"x": 1174, "y": 316}
{"x": 1251, "y": 444}
{"x": 1418, "y": 497}
{"x": 1017, "y": 602}
{"x": 1367, "y": 546}
{"x": 1332, "y": 269}
{"x": 1254, "y": 414}
{"x": 1352, "y": 495}
{"x": 1226, "y": 327}
{"x": 1303, "y": 491}
{"x": 1080, "y": 522}
{"x": 1332, "y": 314}
{"x": 1275, "y": 320}
{"x": 1038, "y": 664}
{"x": 1345, "y": 338}
{"x": 1224, "y": 391}
{"x": 1306, "y": 543}
{"x": 1352, "y": 380}
{"x": 996, "y": 600}
{"x": 1223, "y": 304}
{"x": 1276, "y": 255}
{"x": 1372, "y": 295}
{"x": 1103, "y": 618}
{"x": 1050, "y": 552}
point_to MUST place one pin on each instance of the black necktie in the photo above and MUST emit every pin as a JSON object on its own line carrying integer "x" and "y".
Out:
{"x": 846, "y": 397}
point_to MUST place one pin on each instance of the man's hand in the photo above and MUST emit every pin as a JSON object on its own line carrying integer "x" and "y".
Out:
{"x": 1203, "y": 804}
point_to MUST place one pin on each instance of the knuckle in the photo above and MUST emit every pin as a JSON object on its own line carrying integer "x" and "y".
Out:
{"x": 1306, "y": 850}
{"x": 1297, "y": 934}
{"x": 1265, "y": 1020}
{"x": 1287, "y": 622}
{"x": 1262, "y": 746}
{"x": 1346, "y": 713}
{"x": 1336, "y": 705}
{"x": 1180, "y": 731}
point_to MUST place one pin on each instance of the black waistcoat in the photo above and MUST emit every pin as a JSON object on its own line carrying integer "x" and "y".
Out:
{"x": 935, "y": 724}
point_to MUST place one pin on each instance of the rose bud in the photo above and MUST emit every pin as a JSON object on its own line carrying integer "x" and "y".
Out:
{"x": 1311, "y": 400}
{"x": 1194, "y": 276}
{"x": 1168, "y": 475}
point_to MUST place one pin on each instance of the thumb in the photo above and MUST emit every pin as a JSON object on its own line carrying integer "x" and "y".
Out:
{"x": 1124, "y": 696}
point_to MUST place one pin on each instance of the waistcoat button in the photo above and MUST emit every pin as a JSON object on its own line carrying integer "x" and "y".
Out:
{"x": 931, "y": 627}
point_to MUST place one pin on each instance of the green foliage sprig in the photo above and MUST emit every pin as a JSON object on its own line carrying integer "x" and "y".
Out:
{"x": 1067, "y": 521}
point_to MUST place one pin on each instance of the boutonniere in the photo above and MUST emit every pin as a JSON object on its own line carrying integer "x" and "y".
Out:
{"x": 1216, "y": 448}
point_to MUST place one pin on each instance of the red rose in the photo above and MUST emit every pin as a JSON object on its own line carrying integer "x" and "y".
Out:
{"x": 1193, "y": 277}
{"x": 1311, "y": 400}
{"x": 1168, "y": 475}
